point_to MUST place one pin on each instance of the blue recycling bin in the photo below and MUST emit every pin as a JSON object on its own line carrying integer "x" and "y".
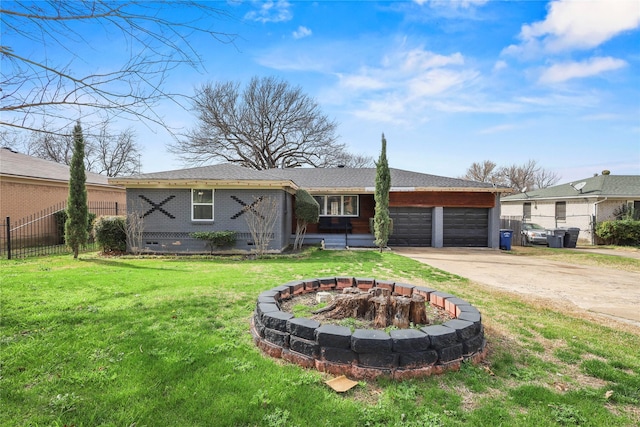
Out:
{"x": 505, "y": 239}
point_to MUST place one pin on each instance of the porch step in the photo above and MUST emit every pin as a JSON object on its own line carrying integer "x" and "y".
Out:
{"x": 335, "y": 242}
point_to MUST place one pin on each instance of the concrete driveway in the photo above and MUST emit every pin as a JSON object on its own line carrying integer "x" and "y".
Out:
{"x": 601, "y": 290}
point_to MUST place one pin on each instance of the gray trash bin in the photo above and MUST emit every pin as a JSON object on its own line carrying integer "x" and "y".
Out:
{"x": 555, "y": 237}
{"x": 571, "y": 237}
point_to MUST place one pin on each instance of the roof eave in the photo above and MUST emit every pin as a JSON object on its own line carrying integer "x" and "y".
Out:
{"x": 53, "y": 181}
{"x": 576, "y": 197}
{"x": 371, "y": 190}
{"x": 190, "y": 183}
{"x": 466, "y": 189}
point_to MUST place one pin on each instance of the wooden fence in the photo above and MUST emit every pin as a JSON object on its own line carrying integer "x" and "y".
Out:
{"x": 513, "y": 223}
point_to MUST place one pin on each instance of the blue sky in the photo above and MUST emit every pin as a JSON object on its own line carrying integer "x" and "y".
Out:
{"x": 448, "y": 83}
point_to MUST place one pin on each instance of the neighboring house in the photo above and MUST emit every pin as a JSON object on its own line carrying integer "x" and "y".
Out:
{"x": 29, "y": 185}
{"x": 580, "y": 204}
{"x": 427, "y": 210}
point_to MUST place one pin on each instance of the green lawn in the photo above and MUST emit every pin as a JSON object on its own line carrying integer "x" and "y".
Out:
{"x": 165, "y": 342}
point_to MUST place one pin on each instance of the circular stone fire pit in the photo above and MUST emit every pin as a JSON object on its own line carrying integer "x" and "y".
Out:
{"x": 368, "y": 353}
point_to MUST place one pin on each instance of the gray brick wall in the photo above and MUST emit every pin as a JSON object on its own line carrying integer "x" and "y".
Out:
{"x": 168, "y": 224}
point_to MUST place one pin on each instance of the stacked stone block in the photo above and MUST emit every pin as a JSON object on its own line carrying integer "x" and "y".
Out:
{"x": 368, "y": 353}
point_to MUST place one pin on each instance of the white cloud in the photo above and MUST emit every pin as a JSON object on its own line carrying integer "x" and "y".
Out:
{"x": 404, "y": 84}
{"x": 435, "y": 82}
{"x": 302, "y": 32}
{"x": 477, "y": 103}
{"x": 558, "y": 73}
{"x": 500, "y": 65}
{"x": 463, "y": 4}
{"x": 420, "y": 60}
{"x": 575, "y": 24}
{"x": 361, "y": 82}
{"x": 408, "y": 71}
{"x": 271, "y": 11}
{"x": 386, "y": 110}
{"x": 557, "y": 101}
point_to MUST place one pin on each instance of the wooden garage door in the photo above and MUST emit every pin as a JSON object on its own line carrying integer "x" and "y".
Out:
{"x": 411, "y": 227}
{"x": 463, "y": 227}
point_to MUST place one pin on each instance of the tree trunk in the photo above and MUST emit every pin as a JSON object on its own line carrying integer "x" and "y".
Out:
{"x": 376, "y": 292}
{"x": 417, "y": 311}
{"x": 381, "y": 310}
{"x": 378, "y": 306}
{"x": 400, "y": 306}
{"x": 350, "y": 306}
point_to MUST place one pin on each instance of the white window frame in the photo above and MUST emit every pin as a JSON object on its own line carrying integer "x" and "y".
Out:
{"x": 325, "y": 209}
{"x": 194, "y": 204}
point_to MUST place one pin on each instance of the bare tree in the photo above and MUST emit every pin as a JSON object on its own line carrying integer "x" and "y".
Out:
{"x": 545, "y": 178}
{"x": 269, "y": 124}
{"x": 348, "y": 160}
{"x": 261, "y": 217}
{"x": 116, "y": 154}
{"x": 57, "y": 148}
{"x": 155, "y": 40}
{"x": 481, "y": 172}
{"x": 520, "y": 177}
{"x": 134, "y": 229}
{"x": 528, "y": 176}
{"x": 108, "y": 153}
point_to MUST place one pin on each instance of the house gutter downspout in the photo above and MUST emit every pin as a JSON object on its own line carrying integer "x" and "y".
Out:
{"x": 595, "y": 217}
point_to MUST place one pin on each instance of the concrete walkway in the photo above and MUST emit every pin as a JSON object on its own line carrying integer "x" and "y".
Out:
{"x": 605, "y": 291}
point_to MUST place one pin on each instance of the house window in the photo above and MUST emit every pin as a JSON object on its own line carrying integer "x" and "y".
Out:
{"x": 561, "y": 211}
{"x": 201, "y": 205}
{"x": 526, "y": 211}
{"x": 338, "y": 205}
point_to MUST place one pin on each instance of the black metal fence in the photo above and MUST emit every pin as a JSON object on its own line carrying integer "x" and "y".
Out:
{"x": 43, "y": 233}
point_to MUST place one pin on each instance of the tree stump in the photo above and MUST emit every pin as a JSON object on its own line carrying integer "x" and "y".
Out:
{"x": 377, "y": 292}
{"x": 379, "y": 306}
{"x": 349, "y": 305}
{"x": 400, "y": 307}
{"x": 417, "y": 310}
{"x": 381, "y": 310}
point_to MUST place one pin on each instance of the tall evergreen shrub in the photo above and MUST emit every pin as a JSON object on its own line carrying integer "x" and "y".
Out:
{"x": 381, "y": 218}
{"x": 75, "y": 228}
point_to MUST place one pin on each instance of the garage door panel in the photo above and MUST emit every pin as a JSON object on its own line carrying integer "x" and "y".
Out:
{"x": 465, "y": 227}
{"x": 411, "y": 227}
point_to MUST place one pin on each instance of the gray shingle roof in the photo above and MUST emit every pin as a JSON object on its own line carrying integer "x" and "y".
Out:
{"x": 366, "y": 178}
{"x": 316, "y": 179}
{"x": 222, "y": 172}
{"x": 597, "y": 186}
{"x": 23, "y": 166}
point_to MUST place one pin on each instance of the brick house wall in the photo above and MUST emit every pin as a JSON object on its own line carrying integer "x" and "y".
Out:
{"x": 22, "y": 197}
